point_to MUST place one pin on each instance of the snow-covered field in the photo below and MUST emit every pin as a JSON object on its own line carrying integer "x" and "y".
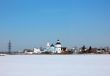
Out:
{"x": 55, "y": 65}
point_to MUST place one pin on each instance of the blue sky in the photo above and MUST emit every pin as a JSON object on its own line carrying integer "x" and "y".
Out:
{"x": 32, "y": 23}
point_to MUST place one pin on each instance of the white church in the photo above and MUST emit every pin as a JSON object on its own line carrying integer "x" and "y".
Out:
{"x": 54, "y": 48}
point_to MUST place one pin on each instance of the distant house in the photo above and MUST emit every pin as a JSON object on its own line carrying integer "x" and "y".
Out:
{"x": 75, "y": 50}
{"x": 28, "y": 51}
{"x": 64, "y": 50}
{"x": 100, "y": 51}
{"x": 36, "y": 51}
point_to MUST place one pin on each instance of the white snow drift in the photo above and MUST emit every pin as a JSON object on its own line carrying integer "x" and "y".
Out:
{"x": 55, "y": 65}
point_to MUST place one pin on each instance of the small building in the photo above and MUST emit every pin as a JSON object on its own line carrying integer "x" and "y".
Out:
{"x": 36, "y": 51}
{"x": 32, "y": 51}
{"x": 100, "y": 51}
{"x": 75, "y": 50}
{"x": 28, "y": 51}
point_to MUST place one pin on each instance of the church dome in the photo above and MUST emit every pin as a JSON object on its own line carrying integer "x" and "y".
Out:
{"x": 51, "y": 45}
{"x": 58, "y": 42}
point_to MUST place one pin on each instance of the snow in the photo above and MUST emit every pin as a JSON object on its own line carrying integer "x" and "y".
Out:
{"x": 55, "y": 65}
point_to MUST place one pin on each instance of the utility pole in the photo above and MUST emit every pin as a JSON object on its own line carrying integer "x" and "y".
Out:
{"x": 9, "y": 47}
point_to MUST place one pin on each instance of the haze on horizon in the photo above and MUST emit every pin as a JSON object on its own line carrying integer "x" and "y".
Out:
{"x": 33, "y": 23}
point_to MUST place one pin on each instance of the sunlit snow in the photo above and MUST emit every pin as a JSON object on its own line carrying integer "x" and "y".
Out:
{"x": 55, "y": 65}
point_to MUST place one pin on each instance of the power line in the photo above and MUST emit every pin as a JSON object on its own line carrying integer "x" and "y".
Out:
{"x": 9, "y": 47}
